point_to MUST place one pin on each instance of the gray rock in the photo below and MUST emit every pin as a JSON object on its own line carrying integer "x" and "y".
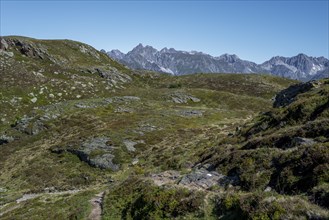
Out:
{"x": 297, "y": 141}
{"x": 135, "y": 161}
{"x": 79, "y": 105}
{"x": 34, "y": 100}
{"x": 268, "y": 189}
{"x": 166, "y": 177}
{"x": 113, "y": 76}
{"x": 123, "y": 110}
{"x": 102, "y": 147}
{"x": 29, "y": 125}
{"x": 202, "y": 178}
{"x": 125, "y": 99}
{"x": 147, "y": 127}
{"x": 49, "y": 189}
{"x": 4, "y": 139}
{"x": 130, "y": 145}
{"x": 191, "y": 113}
{"x": 104, "y": 161}
{"x": 287, "y": 96}
{"x": 6, "y": 53}
{"x": 3, "y": 44}
{"x": 181, "y": 98}
{"x": 97, "y": 143}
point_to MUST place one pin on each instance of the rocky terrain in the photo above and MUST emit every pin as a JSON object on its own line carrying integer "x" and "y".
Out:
{"x": 300, "y": 67}
{"x": 84, "y": 137}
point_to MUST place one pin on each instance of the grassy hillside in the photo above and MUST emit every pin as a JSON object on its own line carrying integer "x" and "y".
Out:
{"x": 75, "y": 123}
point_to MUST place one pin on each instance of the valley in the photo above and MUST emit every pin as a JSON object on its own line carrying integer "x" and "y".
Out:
{"x": 79, "y": 129}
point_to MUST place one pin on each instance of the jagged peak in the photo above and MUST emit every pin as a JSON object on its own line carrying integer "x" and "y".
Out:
{"x": 164, "y": 50}
{"x": 229, "y": 57}
{"x": 140, "y": 47}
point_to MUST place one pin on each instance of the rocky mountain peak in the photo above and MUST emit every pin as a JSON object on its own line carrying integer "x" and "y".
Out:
{"x": 166, "y": 50}
{"x": 143, "y": 50}
{"x": 116, "y": 54}
{"x": 231, "y": 58}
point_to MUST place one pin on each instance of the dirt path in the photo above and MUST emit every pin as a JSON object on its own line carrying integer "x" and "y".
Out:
{"x": 96, "y": 202}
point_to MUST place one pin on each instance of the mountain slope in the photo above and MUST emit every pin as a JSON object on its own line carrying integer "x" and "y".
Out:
{"x": 283, "y": 152}
{"x": 77, "y": 124}
{"x": 300, "y": 67}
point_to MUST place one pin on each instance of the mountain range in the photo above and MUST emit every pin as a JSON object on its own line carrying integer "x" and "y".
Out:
{"x": 300, "y": 67}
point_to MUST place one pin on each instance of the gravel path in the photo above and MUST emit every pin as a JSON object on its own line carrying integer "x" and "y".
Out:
{"x": 96, "y": 202}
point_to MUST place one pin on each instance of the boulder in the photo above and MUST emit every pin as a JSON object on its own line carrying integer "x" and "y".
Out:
{"x": 130, "y": 145}
{"x": 4, "y": 139}
{"x": 298, "y": 141}
{"x": 29, "y": 125}
{"x": 3, "y": 44}
{"x": 203, "y": 178}
{"x": 287, "y": 96}
{"x": 97, "y": 152}
{"x": 181, "y": 98}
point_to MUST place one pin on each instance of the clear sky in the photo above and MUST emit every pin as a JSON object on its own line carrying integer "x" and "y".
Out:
{"x": 254, "y": 30}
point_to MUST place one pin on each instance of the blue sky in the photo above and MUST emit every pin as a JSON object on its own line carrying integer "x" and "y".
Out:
{"x": 254, "y": 30}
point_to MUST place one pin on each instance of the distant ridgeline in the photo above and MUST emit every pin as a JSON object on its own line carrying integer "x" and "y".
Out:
{"x": 300, "y": 67}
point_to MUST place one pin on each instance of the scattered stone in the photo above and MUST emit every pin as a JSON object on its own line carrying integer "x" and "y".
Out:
{"x": 147, "y": 128}
{"x": 34, "y": 100}
{"x": 29, "y": 125}
{"x": 83, "y": 49}
{"x": 268, "y": 189}
{"x": 102, "y": 147}
{"x": 78, "y": 96}
{"x": 4, "y": 139}
{"x": 125, "y": 99}
{"x": 59, "y": 94}
{"x": 123, "y": 110}
{"x": 166, "y": 177}
{"x": 202, "y": 178}
{"x": 104, "y": 161}
{"x": 51, "y": 96}
{"x": 135, "y": 161}
{"x": 49, "y": 189}
{"x": 181, "y": 98}
{"x": 3, "y": 44}
{"x": 5, "y": 53}
{"x": 297, "y": 141}
{"x": 113, "y": 76}
{"x": 191, "y": 113}
{"x": 130, "y": 145}
{"x": 79, "y": 105}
